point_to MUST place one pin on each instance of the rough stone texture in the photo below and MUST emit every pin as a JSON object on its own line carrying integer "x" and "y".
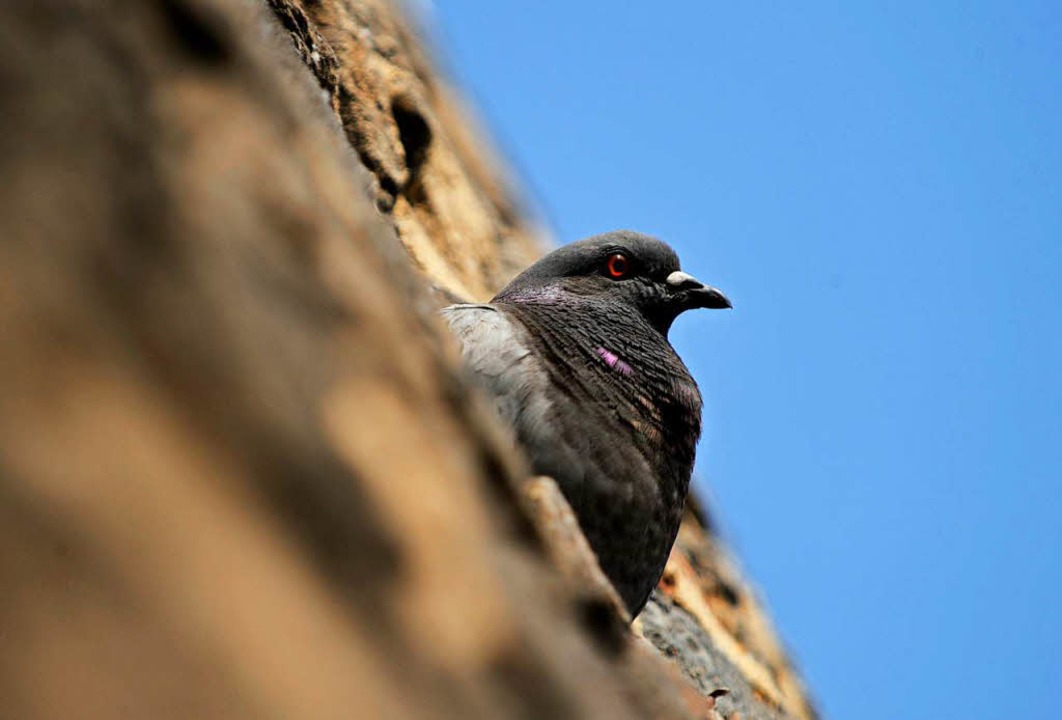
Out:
{"x": 240, "y": 474}
{"x": 449, "y": 201}
{"x": 706, "y": 617}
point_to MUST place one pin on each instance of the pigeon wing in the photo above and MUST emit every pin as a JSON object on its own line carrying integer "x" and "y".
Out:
{"x": 497, "y": 350}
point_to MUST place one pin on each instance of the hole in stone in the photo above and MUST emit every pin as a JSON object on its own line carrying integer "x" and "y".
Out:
{"x": 199, "y": 28}
{"x": 413, "y": 131}
{"x": 600, "y": 618}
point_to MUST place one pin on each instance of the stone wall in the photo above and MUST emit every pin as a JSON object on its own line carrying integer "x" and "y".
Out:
{"x": 240, "y": 472}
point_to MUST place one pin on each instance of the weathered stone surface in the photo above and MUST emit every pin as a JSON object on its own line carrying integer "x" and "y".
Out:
{"x": 449, "y": 202}
{"x": 240, "y": 475}
{"x": 705, "y": 616}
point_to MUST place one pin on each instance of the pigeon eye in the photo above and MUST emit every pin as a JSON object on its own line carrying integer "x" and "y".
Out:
{"x": 617, "y": 266}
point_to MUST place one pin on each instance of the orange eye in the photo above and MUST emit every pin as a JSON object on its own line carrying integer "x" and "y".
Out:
{"x": 618, "y": 265}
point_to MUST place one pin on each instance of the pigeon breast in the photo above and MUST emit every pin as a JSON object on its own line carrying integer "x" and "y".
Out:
{"x": 601, "y": 402}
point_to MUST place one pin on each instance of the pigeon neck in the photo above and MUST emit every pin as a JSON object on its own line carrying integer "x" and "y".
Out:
{"x": 610, "y": 350}
{"x": 532, "y": 295}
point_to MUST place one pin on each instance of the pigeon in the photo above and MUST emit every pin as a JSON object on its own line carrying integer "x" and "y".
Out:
{"x": 575, "y": 355}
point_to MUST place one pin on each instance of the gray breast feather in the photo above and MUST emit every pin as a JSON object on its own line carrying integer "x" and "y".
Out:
{"x": 496, "y": 349}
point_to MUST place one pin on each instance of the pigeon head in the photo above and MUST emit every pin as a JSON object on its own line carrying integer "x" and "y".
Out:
{"x": 623, "y": 267}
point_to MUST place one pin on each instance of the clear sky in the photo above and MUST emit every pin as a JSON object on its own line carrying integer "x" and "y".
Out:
{"x": 878, "y": 188}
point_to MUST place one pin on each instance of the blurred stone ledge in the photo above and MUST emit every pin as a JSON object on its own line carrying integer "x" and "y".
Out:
{"x": 240, "y": 473}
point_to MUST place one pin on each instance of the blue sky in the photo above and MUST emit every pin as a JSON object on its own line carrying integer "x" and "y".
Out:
{"x": 878, "y": 188}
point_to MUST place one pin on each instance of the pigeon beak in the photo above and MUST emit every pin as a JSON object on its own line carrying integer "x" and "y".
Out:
{"x": 696, "y": 294}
